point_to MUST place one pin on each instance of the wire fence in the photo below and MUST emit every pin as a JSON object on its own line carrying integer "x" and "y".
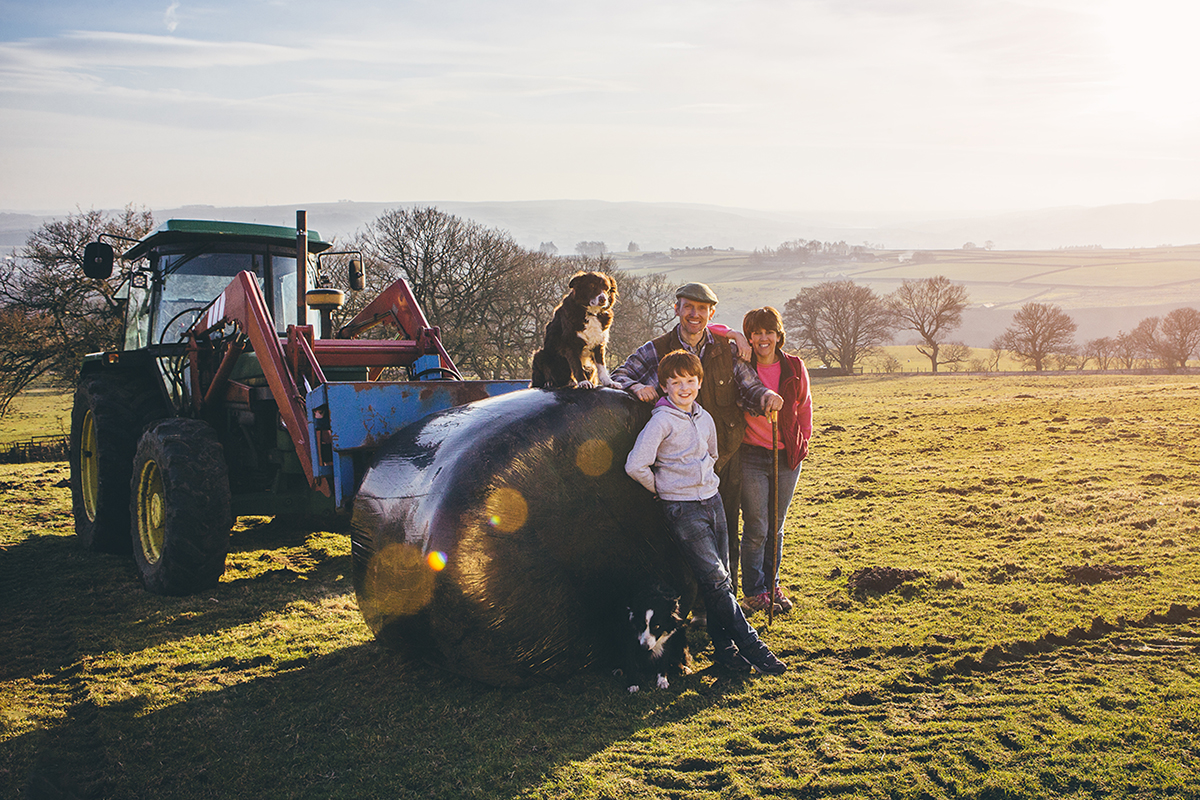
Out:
{"x": 36, "y": 448}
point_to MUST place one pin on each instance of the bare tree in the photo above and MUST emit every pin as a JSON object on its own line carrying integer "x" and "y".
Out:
{"x": 1147, "y": 342}
{"x": 1168, "y": 341}
{"x": 803, "y": 318}
{"x": 1101, "y": 350}
{"x": 536, "y": 286}
{"x": 1180, "y": 337}
{"x": 51, "y": 313}
{"x": 473, "y": 282}
{"x": 1037, "y": 331}
{"x": 1125, "y": 350}
{"x": 591, "y": 249}
{"x": 997, "y": 353}
{"x": 932, "y": 307}
{"x": 1066, "y": 358}
{"x": 955, "y": 355}
{"x": 492, "y": 298}
{"x": 838, "y": 321}
{"x": 646, "y": 310}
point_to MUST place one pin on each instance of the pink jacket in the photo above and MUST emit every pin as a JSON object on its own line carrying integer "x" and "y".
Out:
{"x": 795, "y": 420}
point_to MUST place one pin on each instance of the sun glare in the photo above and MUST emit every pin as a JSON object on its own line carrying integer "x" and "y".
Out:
{"x": 1156, "y": 62}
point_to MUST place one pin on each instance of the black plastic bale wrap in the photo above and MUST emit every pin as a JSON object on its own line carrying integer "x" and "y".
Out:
{"x": 500, "y": 538}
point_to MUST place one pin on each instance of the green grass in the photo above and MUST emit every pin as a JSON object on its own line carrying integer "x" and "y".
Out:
{"x": 37, "y": 412}
{"x": 988, "y": 678}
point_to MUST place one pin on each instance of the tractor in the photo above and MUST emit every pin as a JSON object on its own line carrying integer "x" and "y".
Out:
{"x": 225, "y": 400}
{"x": 492, "y": 526}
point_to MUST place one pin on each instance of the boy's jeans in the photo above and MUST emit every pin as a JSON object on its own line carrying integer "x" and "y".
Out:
{"x": 756, "y": 513}
{"x": 699, "y": 528}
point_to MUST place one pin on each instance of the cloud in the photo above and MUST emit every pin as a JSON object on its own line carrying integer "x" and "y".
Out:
{"x": 703, "y": 98}
{"x": 171, "y": 18}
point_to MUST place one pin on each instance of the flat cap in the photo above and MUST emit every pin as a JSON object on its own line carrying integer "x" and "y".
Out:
{"x": 698, "y": 292}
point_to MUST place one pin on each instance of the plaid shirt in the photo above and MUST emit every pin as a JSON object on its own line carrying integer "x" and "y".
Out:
{"x": 642, "y": 367}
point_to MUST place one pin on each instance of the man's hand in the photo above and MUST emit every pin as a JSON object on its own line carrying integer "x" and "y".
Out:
{"x": 772, "y": 403}
{"x": 648, "y": 394}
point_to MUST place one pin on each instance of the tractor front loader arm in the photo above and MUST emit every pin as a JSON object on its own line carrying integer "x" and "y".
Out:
{"x": 242, "y": 304}
{"x": 398, "y": 305}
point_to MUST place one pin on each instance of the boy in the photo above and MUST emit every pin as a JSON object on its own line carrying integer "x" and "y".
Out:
{"x": 673, "y": 457}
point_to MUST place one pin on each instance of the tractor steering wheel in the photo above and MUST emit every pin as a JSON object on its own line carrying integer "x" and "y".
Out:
{"x": 446, "y": 372}
{"x": 183, "y": 325}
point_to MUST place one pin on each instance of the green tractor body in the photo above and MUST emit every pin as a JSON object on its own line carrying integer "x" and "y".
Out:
{"x": 225, "y": 401}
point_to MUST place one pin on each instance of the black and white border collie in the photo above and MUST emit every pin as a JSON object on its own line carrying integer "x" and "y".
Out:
{"x": 572, "y": 354}
{"x": 653, "y": 640}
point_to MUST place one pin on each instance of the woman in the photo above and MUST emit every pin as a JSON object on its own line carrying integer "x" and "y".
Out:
{"x": 787, "y": 375}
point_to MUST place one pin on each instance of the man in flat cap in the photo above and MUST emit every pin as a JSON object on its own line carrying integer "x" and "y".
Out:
{"x": 729, "y": 386}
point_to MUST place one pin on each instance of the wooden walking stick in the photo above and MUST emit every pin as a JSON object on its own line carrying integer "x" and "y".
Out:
{"x": 771, "y": 563}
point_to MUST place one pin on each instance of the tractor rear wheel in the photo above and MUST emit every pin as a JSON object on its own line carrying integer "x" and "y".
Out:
{"x": 106, "y": 420}
{"x": 180, "y": 507}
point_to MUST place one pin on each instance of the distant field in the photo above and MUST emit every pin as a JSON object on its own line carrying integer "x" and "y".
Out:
{"x": 997, "y": 280}
{"x": 1045, "y": 643}
{"x": 912, "y": 361}
{"x": 37, "y": 412}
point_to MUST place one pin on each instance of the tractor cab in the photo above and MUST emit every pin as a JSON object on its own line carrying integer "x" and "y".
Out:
{"x": 184, "y": 264}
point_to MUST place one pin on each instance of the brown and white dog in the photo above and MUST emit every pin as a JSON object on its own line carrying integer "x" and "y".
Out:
{"x": 572, "y": 354}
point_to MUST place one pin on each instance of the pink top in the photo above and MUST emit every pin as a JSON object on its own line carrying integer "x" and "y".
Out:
{"x": 758, "y": 428}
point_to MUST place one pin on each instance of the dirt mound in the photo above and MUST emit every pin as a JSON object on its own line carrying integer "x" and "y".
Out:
{"x": 1098, "y": 573}
{"x": 880, "y": 579}
{"x": 997, "y": 654}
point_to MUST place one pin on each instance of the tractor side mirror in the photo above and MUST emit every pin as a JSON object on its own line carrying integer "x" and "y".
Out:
{"x": 357, "y": 276}
{"x": 98, "y": 260}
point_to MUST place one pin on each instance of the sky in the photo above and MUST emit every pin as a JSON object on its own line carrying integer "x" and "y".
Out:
{"x": 868, "y": 108}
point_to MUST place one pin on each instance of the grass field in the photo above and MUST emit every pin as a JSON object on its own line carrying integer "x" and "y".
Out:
{"x": 1049, "y": 647}
{"x": 37, "y": 412}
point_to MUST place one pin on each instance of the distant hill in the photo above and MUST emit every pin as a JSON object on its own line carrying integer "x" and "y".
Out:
{"x": 15, "y": 229}
{"x": 661, "y": 226}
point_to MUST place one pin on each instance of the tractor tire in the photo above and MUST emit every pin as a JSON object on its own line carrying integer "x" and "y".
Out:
{"x": 180, "y": 507}
{"x": 109, "y": 413}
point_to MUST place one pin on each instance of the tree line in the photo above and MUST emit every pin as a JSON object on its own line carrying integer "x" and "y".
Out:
{"x": 840, "y": 323}
{"x": 490, "y": 297}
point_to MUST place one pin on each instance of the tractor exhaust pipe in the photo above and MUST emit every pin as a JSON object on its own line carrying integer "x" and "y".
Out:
{"x": 301, "y": 266}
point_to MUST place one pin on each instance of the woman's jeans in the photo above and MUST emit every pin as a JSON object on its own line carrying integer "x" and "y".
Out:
{"x": 699, "y": 528}
{"x": 756, "y": 513}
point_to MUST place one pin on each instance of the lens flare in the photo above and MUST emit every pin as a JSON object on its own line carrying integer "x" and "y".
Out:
{"x": 506, "y": 509}
{"x": 436, "y": 560}
{"x": 594, "y": 458}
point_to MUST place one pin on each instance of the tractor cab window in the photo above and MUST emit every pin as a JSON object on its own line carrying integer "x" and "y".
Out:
{"x": 137, "y": 314}
{"x": 283, "y": 292}
{"x": 190, "y": 281}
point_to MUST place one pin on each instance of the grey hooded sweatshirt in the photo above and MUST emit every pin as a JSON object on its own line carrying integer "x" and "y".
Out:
{"x": 675, "y": 454}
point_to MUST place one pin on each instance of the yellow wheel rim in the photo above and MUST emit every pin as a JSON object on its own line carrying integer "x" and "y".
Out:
{"x": 151, "y": 512}
{"x": 89, "y": 469}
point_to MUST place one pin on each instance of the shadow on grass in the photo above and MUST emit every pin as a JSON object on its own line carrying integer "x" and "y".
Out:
{"x": 359, "y": 722}
{"x": 61, "y": 602}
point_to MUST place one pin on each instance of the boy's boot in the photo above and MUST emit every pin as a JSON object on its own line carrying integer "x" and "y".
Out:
{"x": 759, "y": 655}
